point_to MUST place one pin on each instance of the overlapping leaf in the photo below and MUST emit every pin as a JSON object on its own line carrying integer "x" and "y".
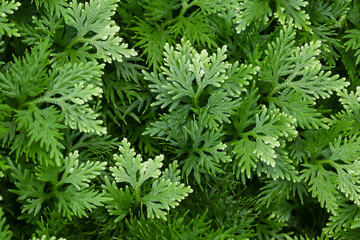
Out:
{"x": 68, "y": 185}
{"x": 270, "y": 128}
{"x": 130, "y": 168}
{"x": 95, "y": 29}
{"x": 325, "y": 184}
{"x": 7, "y": 27}
{"x": 295, "y": 73}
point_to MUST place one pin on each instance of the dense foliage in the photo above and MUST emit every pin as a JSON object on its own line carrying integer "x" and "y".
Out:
{"x": 180, "y": 119}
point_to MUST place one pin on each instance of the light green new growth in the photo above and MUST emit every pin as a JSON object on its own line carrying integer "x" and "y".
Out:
{"x": 201, "y": 92}
{"x": 260, "y": 143}
{"x": 184, "y": 68}
{"x": 96, "y": 30}
{"x": 259, "y": 11}
{"x": 145, "y": 185}
{"x": 6, "y": 27}
{"x": 251, "y": 11}
{"x": 297, "y": 78}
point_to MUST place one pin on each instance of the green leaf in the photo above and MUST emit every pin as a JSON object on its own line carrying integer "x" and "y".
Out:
{"x": 121, "y": 200}
{"x": 206, "y": 153}
{"x": 131, "y": 169}
{"x": 345, "y": 218}
{"x": 157, "y": 10}
{"x": 152, "y": 39}
{"x": 215, "y": 6}
{"x": 30, "y": 190}
{"x": 291, "y": 11}
{"x": 292, "y": 103}
{"x": 279, "y": 61}
{"x": 95, "y": 28}
{"x": 273, "y": 191}
{"x": 44, "y": 237}
{"x": 72, "y": 202}
{"x": 323, "y": 185}
{"x": 353, "y": 43}
{"x": 283, "y": 169}
{"x": 250, "y": 11}
{"x": 48, "y": 25}
{"x": 5, "y": 232}
{"x": 184, "y": 68}
{"x": 195, "y": 28}
{"x": 313, "y": 82}
{"x": 163, "y": 196}
{"x": 80, "y": 175}
{"x": 67, "y": 185}
{"x": 218, "y": 110}
{"x": 22, "y": 80}
{"x": 343, "y": 158}
{"x": 296, "y": 78}
{"x": 351, "y": 113}
{"x": 260, "y": 142}
{"x": 6, "y": 27}
{"x": 52, "y": 6}
{"x": 43, "y": 126}
{"x": 71, "y": 86}
{"x": 172, "y": 172}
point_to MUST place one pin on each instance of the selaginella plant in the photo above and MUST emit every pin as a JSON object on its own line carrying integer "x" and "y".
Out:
{"x": 146, "y": 186}
{"x": 201, "y": 92}
{"x": 256, "y": 101}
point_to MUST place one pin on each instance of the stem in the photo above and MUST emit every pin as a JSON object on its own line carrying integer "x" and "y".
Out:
{"x": 78, "y": 40}
{"x": 331, "y": 163}
{"x": 184, "y": 8}
{"x": 41, "y": 100}
{"x": 196, "y": 101}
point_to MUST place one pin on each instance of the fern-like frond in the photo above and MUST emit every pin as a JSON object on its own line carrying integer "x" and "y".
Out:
{"x": 292, "y": 11}
{"x": 305, "y": 237}
{"x": 158, "y": 197}
{"x": 195, "y": 28}
{"x": 342, "y": 157}
{"x": 48, "y": 25}
{"x": 296, "y": 73}
{"x": 29, "y": 189}
{"x": 252, "y": 11}
{"x": 22, "y": 81}
{"x": 52, "y": 6}
{"x": 68, "y": 185}
{"x": 215, "y": 6}
{"x": 275, "y": 190}
{"x": 5, "y": 232}
{"x": 351, "y": 112}
{"x": 353, "y": 43}
{"x": 292, "y": 103}
{"x": 7, "y": 27}
{"x": 152, "y": 39}
{"x": 185, "y": 67}
{"x": 71, "y": 87}
{"x": 43, "y": 126}
{"x": 345, "y": 219}
{"x": 259, "y": 143}
{"x": 95, "y": 29}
